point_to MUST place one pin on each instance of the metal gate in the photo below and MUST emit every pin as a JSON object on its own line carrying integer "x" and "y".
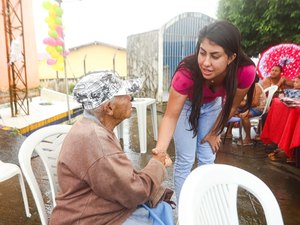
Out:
{"x": 179, "y": 40}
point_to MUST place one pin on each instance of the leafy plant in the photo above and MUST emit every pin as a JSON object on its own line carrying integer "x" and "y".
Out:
{"x": 263, "y": 23}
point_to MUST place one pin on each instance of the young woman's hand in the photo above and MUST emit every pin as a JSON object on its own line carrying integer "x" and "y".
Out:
{"x": 213, "y": 140}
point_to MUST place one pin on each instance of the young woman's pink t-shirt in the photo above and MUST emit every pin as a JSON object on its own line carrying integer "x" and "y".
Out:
{"x": 183, "y": 83}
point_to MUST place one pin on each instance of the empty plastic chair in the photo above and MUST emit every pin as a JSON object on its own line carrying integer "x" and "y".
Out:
{"x": 209, "y": 196}
{"x": 256, "y": 121}
{"x": 141, "y": 104}
{"x": 9, "y": 170}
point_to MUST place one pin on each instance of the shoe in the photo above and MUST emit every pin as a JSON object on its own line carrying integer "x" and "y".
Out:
{"x": 271, "y": 154}
{"x": 273, "y": 157}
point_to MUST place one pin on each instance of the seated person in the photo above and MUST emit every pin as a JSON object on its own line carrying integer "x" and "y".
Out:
{"x": 278, "y": 154}
{"x": 275, "y": 78}
{"x": 295, "y": 91}
{"x": 98, "y": 184}
{"x": 297, "y": 83}
{"x": 257, "y": 107}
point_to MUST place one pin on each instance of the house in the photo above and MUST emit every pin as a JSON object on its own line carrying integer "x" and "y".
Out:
{"x": 81, "y": 61}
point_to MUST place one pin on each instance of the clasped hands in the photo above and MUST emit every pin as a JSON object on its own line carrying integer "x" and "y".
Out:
{"x": 162, "y": 156}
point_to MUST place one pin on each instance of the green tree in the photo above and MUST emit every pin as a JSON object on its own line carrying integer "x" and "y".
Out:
{"x": 263, "y": 23}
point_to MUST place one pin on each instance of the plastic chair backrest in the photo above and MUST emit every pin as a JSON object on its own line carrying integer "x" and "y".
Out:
{"x": 270, "y": 91}
{"x": 46, "y": 142}
{"x": 209, "y": 196}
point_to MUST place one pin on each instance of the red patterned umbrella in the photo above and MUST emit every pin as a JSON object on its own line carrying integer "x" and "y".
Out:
{"x": 286, "y": 55}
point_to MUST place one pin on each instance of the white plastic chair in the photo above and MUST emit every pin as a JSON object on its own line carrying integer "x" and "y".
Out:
{"x": 141, "y": 105}
{"x": 269, "y": 92}
{"x": 46, "y": 142}
{"x": 209, "y": 196}
{"x": 9, "y": 170}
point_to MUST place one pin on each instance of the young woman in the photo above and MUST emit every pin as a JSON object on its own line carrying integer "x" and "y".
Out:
{"x": 206, "y": 90}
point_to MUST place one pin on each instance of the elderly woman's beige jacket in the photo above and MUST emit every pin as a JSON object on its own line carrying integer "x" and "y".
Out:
{"x": 98, "y": 184}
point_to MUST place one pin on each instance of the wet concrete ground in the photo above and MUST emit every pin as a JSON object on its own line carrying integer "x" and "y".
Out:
{"x": 282, "y": 178}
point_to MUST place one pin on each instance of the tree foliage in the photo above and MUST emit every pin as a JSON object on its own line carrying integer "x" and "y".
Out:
{"x": 263, "y": 23}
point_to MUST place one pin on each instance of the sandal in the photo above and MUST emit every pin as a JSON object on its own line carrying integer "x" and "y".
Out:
{"x": 273, "y": 157}
{"x": 271, "y": 154}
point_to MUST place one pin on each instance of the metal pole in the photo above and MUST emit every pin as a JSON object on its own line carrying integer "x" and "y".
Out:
{"x": 84, "y": 65}
{"x": 67, "y": 88}
{"x": 17, "y": 74}
{"x": 114, "y": 62}
{"x": 65, "y": 73}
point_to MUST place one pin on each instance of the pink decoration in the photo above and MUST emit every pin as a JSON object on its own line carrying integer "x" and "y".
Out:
{"x": 59, "y": 31}
{"x": 59, "y": 42}
{"x": 65, "y": 53}
{"x": 287, "y": 55}
{"x": 49, "y": 41}
{"x": 51, "y": 62}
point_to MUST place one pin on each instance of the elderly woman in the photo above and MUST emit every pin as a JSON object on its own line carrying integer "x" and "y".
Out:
{"x": 98, "y": 184}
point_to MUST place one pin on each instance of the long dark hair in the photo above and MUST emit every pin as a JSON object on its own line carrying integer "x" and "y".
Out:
{"x": 227, "y": 36}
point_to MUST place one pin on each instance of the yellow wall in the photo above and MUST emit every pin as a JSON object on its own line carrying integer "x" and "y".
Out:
{"x": 98, "y": 56}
